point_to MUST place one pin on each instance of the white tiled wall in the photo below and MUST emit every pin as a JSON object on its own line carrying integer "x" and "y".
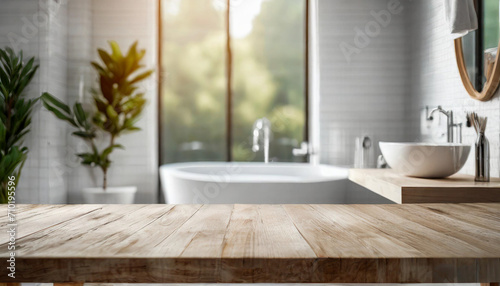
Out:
{"x": 53, "y": 57}
{"x": 39, "y": 28}
{"x": 435, "y": 80}
{"x": 366, "y": 95}
{"x": 80, "y": 80}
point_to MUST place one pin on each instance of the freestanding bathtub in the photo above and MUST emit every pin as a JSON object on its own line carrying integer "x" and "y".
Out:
{"x": 253, "y": 183}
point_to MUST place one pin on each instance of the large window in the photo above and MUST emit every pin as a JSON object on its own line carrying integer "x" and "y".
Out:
{"x": 263, "y": 50}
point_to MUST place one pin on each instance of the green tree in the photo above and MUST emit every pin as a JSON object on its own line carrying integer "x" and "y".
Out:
{"x": 491, "y": 23}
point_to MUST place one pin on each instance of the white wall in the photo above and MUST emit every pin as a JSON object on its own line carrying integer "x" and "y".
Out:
{"x": 80, "y": 79}
{"x": 39, "y": 28}
{"x": 53, "y": 57}
{"x": 434, "y": 80}
{"x": 365, "y": 92}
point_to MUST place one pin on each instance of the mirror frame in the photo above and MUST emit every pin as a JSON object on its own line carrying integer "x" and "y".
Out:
{"x": 492, "y": 82}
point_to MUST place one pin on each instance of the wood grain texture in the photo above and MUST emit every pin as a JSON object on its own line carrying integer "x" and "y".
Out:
{"x": 432, "y": 243}
{"x": 400, "y": 189}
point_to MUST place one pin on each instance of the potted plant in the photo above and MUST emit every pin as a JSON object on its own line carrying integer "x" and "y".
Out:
{"x": 115, "y": 109}
{"x": 15, "y": 118}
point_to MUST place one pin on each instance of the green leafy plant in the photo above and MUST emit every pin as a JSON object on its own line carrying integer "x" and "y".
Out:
{"x": 117, "y": 105}
{"x": 15, "y": 116}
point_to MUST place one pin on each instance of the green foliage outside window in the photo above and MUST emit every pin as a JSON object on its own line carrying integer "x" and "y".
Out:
{"x": 268, "y": 80}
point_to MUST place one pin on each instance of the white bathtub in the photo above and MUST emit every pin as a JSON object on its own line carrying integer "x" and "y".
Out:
{"x": 253, "y": 183}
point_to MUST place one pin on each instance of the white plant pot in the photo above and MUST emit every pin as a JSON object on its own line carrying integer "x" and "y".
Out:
{"x": 112, "y": 195}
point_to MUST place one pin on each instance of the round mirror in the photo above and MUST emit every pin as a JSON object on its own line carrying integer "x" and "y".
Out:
{"x": 477, "y": 55}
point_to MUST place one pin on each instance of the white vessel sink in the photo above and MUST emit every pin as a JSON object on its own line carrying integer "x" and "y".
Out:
{"x": 425, "y": 160}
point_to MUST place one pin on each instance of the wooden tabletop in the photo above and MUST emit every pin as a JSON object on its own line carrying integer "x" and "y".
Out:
{"x": 255, "y": 243}
{"x": 401, "y": 189}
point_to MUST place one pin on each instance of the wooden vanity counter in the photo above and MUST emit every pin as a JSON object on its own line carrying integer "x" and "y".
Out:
{"x": 432, "y": 243}
{"x": 401, "y": 189}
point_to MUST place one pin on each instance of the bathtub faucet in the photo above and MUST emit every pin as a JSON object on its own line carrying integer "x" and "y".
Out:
{"x": 262, "y": 132}
{"x": 304, "y": 150}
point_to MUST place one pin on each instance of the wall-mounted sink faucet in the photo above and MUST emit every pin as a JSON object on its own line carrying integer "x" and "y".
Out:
{"x": 449, "y": 123}
{"x": 262, "y": 132}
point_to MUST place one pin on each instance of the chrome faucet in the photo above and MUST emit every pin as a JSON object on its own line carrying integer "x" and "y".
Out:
{"x": 449, "y": 124}
{"x": 262, "y": 132}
